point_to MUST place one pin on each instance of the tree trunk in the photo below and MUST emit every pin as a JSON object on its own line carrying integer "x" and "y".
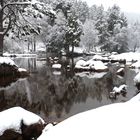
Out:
{"x": 67, "y": 50}
{"x": 72, "y": 51}
{"x": 1, "y": 29}
{"x": 34, "y": 44}
{"x": 1, "y": 44}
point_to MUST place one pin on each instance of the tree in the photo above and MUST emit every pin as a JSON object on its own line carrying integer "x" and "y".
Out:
{"x": 90, "y": 38}
{"x": 73, "y": 33}
{"x": 81, "y": 10}
{"x": 14, "y": 16}
{"x": 116, "y": 31}
{"x": 99, "y": 17}
{"x": 66, "y": 30}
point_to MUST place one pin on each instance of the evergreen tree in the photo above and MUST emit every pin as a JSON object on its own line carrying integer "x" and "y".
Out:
{"x": 116, "y": 31}
{"x": 81, "y": 10}
{"x": 73, "y": 33}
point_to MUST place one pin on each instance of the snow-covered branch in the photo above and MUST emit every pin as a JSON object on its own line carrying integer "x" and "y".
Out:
{"x": 14, "y": 3}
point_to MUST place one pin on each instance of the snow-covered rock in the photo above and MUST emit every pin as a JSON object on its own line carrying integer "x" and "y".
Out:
{"x": 118, "y": 90}
{"x": 7, "y": 60}
{"x": 8, "y": 67}
{"x": 91, "y": 65}
{"x": 118, "y": 121}
{"x": 120, "y": 72}
{"x": 97, "y": 57}
{"x": 56, "y": 66}
{"x": 12, "y": 118}
{"x": 23, "y": 72}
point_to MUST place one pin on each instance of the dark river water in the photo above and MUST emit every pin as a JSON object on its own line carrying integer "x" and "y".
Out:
{"x": 57, "y": 95}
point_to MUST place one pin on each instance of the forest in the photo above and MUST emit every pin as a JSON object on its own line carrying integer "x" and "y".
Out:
{"x": 31, "y": 26}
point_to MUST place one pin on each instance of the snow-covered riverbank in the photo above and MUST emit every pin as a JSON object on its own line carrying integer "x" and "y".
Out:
{"x": 117, "y": 121}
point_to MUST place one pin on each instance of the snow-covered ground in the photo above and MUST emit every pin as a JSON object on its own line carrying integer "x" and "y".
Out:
{"x": 19, "y": 55}
{"x": 11, "y": 119}
{"x": 118, "y": 121}
{"x": 131, "y": 56}
{"x": 136, "y": 64}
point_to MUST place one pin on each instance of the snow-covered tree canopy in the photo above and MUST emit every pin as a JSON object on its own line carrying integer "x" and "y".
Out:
{"x": 66, "y": 30}
{"x": 15, "y": 15}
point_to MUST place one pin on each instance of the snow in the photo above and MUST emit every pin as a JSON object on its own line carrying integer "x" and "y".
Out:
{"x": 98, "y": 57}
{"x": 137, "y": 78}
{"x": 90, "y": 64}
{"x": 120, "y": 88}
{"x": 6, "y": 60}
{"x": 98, "y": 65}
{"x": 120, "y": 70}
{"x": 118, "y": 121}
{"x": 22, "y": 70}
{"x": 127, "y": 56}
{"x": 136, "y": 64}
{"x": 19, "y": 55}
{"x": 91, "y": 75}
{"x": 47, "y": 127}
{"x": 80, "y": 63}
{"x": 57, "y": 72}
{"x": 77, "y": 50}
{"x": 11, "y": 119}
{"x": 56, "y": 66}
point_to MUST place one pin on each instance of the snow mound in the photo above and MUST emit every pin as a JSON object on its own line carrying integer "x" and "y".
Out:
{"x": 11, "y": 119}
{"x": 118, "y": 121}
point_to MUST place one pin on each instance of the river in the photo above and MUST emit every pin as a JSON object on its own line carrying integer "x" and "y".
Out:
{"x": 57, "y": 95}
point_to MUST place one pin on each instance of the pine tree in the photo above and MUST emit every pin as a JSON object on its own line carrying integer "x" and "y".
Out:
{"x": 73, "y": 33}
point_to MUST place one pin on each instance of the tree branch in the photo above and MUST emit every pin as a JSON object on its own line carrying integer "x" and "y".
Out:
{"x": 14, "y": 3}
{"x": 9, "y": 26}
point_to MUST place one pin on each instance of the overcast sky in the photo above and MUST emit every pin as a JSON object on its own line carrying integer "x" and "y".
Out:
{"x": 125, "y": 5}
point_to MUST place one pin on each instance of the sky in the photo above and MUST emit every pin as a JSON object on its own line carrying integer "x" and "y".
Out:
{"x": 132, "y": 6}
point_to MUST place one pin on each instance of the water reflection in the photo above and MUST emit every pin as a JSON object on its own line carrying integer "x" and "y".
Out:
{"x": 57, "y": 95}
